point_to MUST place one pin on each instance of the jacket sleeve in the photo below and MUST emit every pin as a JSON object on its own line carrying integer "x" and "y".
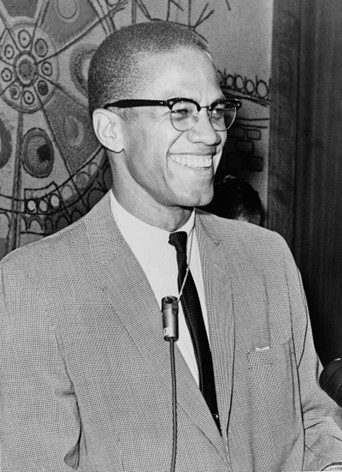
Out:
{"x": 39, "y": 425}
{"x": 321, "y": 416}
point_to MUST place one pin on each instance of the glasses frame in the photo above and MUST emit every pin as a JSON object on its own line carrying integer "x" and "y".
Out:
{"x": 139, "y": 102}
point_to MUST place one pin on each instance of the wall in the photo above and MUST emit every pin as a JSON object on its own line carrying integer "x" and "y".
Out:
{"x": 52, "y": 170}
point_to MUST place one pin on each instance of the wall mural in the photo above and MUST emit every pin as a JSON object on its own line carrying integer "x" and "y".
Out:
{"x": 52, "y": 170}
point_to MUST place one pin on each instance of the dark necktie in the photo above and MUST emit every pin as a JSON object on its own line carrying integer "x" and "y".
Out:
{"x": 194, "y": 319}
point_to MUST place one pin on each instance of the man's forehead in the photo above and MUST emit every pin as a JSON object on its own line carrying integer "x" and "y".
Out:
{"x": 181, "y": 67}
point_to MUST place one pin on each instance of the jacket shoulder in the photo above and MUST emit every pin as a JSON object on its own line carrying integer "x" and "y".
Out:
{"x": 233, "y": 230}
{"x": 72, "y": 240}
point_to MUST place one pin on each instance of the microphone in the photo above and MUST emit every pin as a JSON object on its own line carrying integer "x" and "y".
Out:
{"x": 169, "y": 308}
{"x": 330, "y": 380}
{"x": 170, "y": 318}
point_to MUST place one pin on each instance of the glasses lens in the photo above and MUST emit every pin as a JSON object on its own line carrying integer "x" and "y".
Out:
{"x": 223, "y": 115}
{"x": 183, "y": 115}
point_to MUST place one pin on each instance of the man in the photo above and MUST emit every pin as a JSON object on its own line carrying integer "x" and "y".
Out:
{"x": 85, "y": 371}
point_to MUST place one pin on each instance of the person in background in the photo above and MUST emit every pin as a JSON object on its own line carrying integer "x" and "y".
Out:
{"x": 84, "y": 368}
{"x": 236, "y": 199}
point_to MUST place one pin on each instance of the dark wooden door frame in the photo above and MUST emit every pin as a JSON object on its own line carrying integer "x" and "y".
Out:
{"x": 283, "y": 118}
{"x": 305, "y": 159}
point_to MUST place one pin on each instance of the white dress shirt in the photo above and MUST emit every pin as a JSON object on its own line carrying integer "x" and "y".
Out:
{"x": 158, "y": 259}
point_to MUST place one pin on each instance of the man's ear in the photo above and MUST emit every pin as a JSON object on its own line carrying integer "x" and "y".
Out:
{"x": 107, "y": 127}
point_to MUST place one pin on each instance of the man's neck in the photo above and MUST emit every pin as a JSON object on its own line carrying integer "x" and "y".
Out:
{"x": 167, "y": 218}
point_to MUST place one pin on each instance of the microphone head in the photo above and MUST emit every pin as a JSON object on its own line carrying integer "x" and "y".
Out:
{"x": 170, "y": 317}
{"x": 331, "y": 380}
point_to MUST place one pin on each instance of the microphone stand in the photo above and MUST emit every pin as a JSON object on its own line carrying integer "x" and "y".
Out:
{"x": 174, "y": 405}
{"x": 170, "y": 329}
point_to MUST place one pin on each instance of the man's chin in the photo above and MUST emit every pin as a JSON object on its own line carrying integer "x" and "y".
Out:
{"x": 199, "y": 202}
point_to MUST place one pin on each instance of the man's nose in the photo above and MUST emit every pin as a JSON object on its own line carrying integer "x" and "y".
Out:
{"x": 203, "y": 131}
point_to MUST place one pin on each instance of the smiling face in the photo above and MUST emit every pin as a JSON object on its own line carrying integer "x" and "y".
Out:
{"x": 162, "y": 173}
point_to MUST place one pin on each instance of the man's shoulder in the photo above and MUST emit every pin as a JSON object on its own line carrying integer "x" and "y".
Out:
{"x": 46, "y": 252}
{"x": 243, "y": 241}
{"x": 247, "y": 246}
{"x": 233, "y": 230}
{"x": 55, "y": 247}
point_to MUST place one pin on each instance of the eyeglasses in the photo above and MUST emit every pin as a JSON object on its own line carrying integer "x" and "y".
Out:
{"x": 184, "y": 111}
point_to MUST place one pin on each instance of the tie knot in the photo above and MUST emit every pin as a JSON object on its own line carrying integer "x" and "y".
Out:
{"x": 178, "y": 240}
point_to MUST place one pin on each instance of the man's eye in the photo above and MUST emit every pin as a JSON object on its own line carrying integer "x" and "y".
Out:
{"x": 218, "y": 112}
{"x": 181, "y": 112}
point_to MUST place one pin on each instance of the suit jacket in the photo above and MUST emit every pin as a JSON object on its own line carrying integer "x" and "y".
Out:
{"x": 85, "y": 371}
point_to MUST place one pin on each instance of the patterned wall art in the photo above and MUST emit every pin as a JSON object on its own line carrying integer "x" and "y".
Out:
{"x": 52, "y": 169}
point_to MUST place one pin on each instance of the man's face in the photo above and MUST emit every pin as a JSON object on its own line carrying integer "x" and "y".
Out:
{"x": 162, "y": 167}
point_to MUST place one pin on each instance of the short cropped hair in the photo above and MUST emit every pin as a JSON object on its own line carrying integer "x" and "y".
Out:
{"x": 114, "y": 72}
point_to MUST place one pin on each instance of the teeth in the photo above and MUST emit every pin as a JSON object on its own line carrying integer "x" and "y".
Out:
{"x": 193, "y": 161}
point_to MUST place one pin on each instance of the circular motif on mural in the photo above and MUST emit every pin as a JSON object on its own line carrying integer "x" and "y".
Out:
{"x": 79, "y": 64}
{"x": 31, "y": 206}
{"x": 67, "y": 9}
{"x": 38, "y": 155}
{"x": 55, "y": 201}
{"x": 31, "y": 69}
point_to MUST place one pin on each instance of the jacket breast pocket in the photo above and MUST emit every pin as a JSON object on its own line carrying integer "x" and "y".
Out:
{"x": 273, "y": 390}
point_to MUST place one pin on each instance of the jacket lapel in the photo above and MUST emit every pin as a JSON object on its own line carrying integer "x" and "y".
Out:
{"x": 133, "y": 301}
{"x": 219, "y": 300}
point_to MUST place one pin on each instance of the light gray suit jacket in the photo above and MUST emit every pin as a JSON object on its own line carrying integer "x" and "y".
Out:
{"x": 85, "y": 372}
